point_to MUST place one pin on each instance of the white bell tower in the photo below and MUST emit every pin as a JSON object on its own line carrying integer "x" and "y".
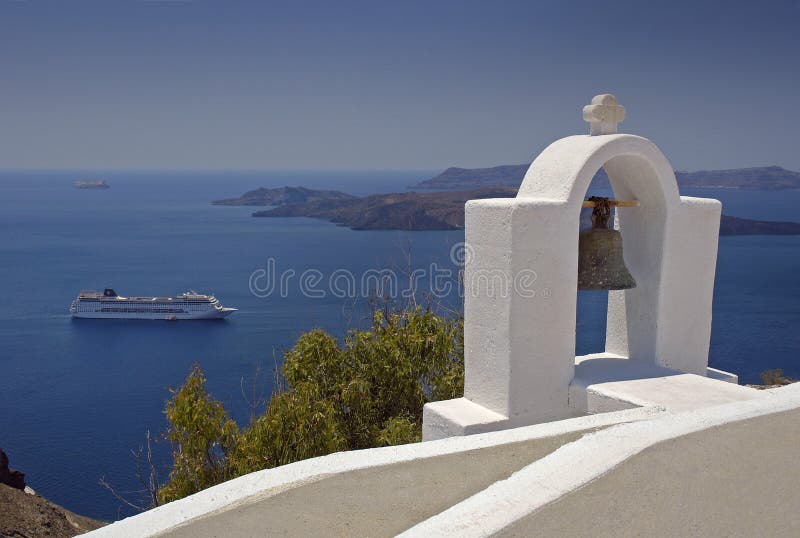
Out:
{"x": 519, "y": 340}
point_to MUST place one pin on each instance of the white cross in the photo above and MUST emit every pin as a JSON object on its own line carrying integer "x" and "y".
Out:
{"x": 603, "y": 114}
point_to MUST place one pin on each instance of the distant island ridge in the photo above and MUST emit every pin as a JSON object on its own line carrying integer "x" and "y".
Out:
{"x": 757, "y": 178}
{"x": 284, "y": 196}
{"x": 396, "y": 211}
{"x": 415, "y": 211}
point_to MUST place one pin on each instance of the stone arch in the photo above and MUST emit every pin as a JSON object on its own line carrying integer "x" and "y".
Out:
{"x": 563, "y": 171}
{"x": 637, "y": 170}
{"x": 519, "y": 348}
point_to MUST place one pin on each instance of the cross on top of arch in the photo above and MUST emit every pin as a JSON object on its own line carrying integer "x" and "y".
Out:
{"x": 603, "y": 114}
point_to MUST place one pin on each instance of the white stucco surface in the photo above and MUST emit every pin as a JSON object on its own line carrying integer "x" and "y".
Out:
{"x": 621, "y": 435}
{"x": 603, "y": 114}
{"x": 605, "y": 382}
{"x": 576, "y": 464}
{"x": 519, "y": 342}
{"x": 735, "y": 480}
{"x": 248, "y": 488}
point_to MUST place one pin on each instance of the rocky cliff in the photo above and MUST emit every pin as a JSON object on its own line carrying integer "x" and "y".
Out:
{"x": 25, "y": 514}
{"x": 398, "y": 211}
{"x": 430, "y": 210}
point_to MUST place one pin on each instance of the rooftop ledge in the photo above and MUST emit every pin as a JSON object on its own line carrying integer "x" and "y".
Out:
{"x": 426, "y": 488}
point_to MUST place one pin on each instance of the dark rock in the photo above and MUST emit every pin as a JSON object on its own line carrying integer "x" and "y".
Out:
{"x": 15, "y": 479}
{"x": 444, "y": 210}
{"x": 24, "y": 515}
{"x": 396, "y": 211}
{"x": 737, "y": 226}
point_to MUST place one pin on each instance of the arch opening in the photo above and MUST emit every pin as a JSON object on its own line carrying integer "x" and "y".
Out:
{"x": 592, "y": 305}
{"x": 630, "y": 316}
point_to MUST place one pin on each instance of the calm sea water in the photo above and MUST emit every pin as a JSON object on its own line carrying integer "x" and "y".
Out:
{"x": 77, "y": 395}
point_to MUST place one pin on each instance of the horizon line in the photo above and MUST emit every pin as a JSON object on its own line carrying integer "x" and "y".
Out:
{"x": 212, "y": 170}
{"x": 4, "y": 170}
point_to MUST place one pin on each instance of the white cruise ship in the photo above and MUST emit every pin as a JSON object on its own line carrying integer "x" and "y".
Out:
{"x": 109, "y": 305}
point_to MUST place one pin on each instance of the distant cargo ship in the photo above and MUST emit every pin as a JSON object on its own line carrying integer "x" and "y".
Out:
{"x": 91, "y": 184}
{"x": 109, "y": 305}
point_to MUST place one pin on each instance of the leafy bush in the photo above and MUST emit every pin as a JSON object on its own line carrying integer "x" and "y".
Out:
{"x": 367, "y": 393}
{"x": 775, "y": 377}
{"x": 202, "y": 436}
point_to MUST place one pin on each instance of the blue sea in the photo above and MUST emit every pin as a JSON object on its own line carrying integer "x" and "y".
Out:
{"x": 76, "y": 396}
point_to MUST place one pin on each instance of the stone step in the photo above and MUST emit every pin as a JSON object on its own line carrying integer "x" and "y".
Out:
{"x": 606, "y": 382}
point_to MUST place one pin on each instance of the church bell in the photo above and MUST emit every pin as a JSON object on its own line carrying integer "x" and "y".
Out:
{"x": 601, "y": 265}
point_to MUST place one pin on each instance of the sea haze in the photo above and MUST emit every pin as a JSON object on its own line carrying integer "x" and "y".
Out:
{"x": 77, "y": 395}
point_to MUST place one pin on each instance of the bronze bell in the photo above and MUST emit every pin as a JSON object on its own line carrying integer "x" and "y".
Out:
{"x": 600, "y": 262}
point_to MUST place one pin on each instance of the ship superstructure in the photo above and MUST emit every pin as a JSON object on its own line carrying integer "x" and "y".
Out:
{"x": 189, "y": 305}
{"x": 91, "y": 184}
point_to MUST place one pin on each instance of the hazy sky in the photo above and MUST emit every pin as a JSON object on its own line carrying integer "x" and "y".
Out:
{"x": 389, "y": 85}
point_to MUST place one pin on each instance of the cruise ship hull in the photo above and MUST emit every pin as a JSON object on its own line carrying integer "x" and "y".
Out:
{"x": 152, "y": 316}
{"x": 92, "y": 304}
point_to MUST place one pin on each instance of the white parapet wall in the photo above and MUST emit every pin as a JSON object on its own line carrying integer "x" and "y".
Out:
{"x": 260, "y": 484}
{"x": 576, "y": 464}
{"x": 608, "y": 440}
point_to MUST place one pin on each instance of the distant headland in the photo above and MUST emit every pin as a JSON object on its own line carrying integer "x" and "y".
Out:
{"x": 759, "y": 178}
{"x": 282, "y": 196}
{"x": 443, "y": 210}
{"x": 91, "y": 184}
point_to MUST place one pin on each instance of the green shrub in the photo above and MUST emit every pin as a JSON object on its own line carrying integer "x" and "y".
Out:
{"x": 202, "y": 436}
{"x": 367, "y": 393}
